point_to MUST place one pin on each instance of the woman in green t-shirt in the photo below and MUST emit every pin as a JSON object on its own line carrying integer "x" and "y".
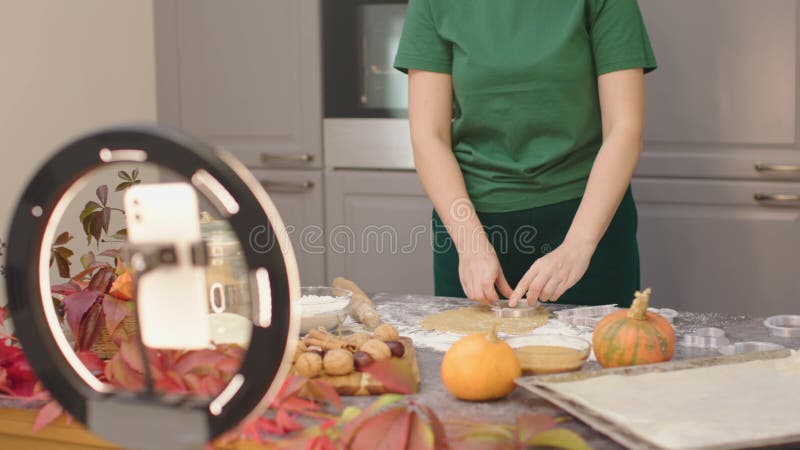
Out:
{"x": 530, "y": 173}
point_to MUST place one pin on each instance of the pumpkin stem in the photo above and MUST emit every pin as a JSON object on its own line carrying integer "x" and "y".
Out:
{"x": 641, "y": 301}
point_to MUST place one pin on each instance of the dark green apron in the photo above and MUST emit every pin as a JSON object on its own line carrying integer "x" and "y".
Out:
{"x": 520, "y": 237}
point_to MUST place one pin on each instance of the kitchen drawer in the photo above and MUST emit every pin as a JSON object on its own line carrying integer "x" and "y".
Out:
{"x": 297, "y": 194}
{"x": 709, "y": 245}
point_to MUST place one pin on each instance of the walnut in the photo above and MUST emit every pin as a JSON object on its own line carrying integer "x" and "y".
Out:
{"x": 385, "y": 332}
{"x": 308, "y": 365}
{"x": 299, "y": 350}
{"x": 377, "y": 349}
{"x": 355, "y": 341}
{"x": 338, "y": 362}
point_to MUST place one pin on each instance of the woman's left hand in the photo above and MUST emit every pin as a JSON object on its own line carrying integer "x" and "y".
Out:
{"x": 551, "y": 275}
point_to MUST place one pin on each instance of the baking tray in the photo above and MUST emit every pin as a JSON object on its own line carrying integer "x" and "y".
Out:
{"x": 615, "y": 431}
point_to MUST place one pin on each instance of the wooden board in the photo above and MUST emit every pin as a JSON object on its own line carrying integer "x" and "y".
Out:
{"x": 358, "y": 383}
{"x": 16, "y": 432}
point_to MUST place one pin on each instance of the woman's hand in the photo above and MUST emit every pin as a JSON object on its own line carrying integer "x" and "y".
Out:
{"x": 480, "y": 272}
{"x": 551, "y": 275}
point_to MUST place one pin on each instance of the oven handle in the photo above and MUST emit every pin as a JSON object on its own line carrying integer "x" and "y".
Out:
{"x": 288, "y": 186}
{"x": 306, "y": 158}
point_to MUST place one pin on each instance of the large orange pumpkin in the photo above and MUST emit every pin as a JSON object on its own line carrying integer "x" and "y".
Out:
{"x": 633, "y": 336}
{"x": 480, "y": 367}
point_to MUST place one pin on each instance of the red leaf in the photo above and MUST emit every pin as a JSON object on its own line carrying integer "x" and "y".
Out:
{"x": 385, "y": 431}
{"x": 112, "y": 252}
{"x": 76, "y": 305}
{"x": 92, "y": 362}
{"x": 297, "y": 404}
{"x": 530, "y": 425}
{"x": 420, "y": 434}
{"x": 2, "y": 315}
{"x": 67, "y": 288}
{"x": 47, "y": 415}
{"x": 320, "y": 390}
{"x": 286, "y": 422}
{"x": 439, "y": 434}
{"x": 121, "y": 375}
{"x": 102, "y": 194}
{"x": 102, "y": 279}
{"x": 197, "y": 359}
{"x": 116, "y": 311}
{"x": 395, "y": 374}
{"x": 130, "y": 353}
{"x": 62, "y": 238}
{"x": 90, "y": 327}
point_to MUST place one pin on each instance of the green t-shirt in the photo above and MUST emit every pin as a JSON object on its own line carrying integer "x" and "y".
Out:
{"x": 526, "y": 125}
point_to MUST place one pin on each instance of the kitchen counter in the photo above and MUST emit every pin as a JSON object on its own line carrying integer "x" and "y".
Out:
{"x": 408, "y": 310}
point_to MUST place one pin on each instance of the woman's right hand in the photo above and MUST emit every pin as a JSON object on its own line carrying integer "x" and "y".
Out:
{"x": 480, "y": 271}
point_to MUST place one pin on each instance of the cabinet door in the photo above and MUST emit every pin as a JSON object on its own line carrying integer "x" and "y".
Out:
{"x": 710, "y": 246}
{"x": 244, "y": 74}
{"x": 297, "y": 195}
{"x": 379, "y": 231}
{"x": 724, "y": 97}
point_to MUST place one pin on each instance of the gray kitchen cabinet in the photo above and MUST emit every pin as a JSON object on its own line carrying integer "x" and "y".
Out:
{"x": 298, "y": 196}
{"x": 724, "y": 97}
{"x": 245, "y": 75}
{"x": 709, "y": 245}
{"x": 378, "y": 231}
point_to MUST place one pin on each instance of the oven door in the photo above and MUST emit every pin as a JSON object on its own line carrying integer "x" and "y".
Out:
{"x": 366, "y": 99}
{"x": 360, "y": 41}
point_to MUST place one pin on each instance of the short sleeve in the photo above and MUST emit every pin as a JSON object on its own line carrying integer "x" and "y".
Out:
{"x": 421, "y": 47}
{"x": 619, "y": 37}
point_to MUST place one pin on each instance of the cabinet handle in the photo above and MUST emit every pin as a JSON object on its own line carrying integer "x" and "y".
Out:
{"x": 781, "y": 168}
{"x": 306, "y": 158}
{"x": 288, "y": 186}
{"x": 779, "y": 198}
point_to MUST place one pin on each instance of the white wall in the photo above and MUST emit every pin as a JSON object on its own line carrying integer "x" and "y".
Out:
{"x": 66, "y": 68}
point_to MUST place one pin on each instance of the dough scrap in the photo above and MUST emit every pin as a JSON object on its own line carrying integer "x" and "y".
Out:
{"x": 481, "y": 318}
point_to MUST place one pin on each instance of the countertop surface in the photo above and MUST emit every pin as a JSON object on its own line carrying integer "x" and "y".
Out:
{"x": 408, "y": 310}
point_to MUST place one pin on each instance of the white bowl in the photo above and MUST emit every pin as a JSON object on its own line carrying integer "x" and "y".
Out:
{"x": 326, "y": 313}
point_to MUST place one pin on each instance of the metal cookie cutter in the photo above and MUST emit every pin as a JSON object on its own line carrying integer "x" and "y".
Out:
{"x": 503, "y": 311}
{"x": 587, "y": 316}
{"x": 667, "y": 313}
{"x": 784, "y": 325}
{"x": 749, "y": 347}
{"x": 705, "y": 338}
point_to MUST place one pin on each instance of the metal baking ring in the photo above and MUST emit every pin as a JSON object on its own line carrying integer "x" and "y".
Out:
{"x": 586, "y": 311}
{"x": 749, "y": 347}
{"x": 667, "y": 313}
{"x": 583, "y": 321}
{"x": 693, "y": 340}
{"x": 709, "y": 332}
{"x": 783, "y": 325}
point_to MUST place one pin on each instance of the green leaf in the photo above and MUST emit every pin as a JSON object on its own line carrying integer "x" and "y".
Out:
{"x": 63, "y": 251}
{"x": 121, "y": 234}
{"x": 87, "y": 259}
{"x": 102, "y": 194}
{"x": 124, "y": 175}
{"x": 63, "y": 238}
{"x": 348, "y": 414}
{"x": 122, "y": 186}
{"x": 135, "y": 174}
{"x": 559, "y": 438}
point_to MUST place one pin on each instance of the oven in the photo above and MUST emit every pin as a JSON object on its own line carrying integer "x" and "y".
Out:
{"x": 366, "y": 99}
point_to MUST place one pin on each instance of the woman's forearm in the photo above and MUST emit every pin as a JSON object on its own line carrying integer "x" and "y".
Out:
{"x": 609, "y": 179}
{"x": 443, "y": 182}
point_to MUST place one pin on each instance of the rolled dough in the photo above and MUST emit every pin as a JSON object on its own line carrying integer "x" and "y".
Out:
{"x": 710, "y": 407}
{"x": 481, "y": 318}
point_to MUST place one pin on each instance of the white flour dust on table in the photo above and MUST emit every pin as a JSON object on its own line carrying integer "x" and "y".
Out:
{"x": 407, "y": 320}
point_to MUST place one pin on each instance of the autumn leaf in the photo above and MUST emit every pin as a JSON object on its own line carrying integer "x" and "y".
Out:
{"x": 92, "y": 362}
{"x": 395, "y": 374}
{"x": 87, "y": 260}
{"x": 322, "y": 391}
{"x": 558, "y": 438}
{"x": 76, "y": 305}
{"x": 102, "y": 194}
{"x": 63, "y": 238}
{"x": 115, "y": 311}
{"x": 90, "y": 327}
{"x": 47, "y": 414}
{"x": 61, "y": 256}
{"x": 530, "y": 425}
{"x": 124, "y": 175}
{"x": 122, "y": 287}
{"x": 3, "y": 315}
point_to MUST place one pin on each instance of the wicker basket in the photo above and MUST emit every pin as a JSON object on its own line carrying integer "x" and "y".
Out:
{"x": 104, "y": 347}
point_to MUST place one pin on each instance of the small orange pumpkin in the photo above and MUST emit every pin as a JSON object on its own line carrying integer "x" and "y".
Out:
{"x": 633, "y": 336}
{"x": 480, "y": 367}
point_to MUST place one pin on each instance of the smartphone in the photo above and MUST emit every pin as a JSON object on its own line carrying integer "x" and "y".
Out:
{"x": 172, "y": 300}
